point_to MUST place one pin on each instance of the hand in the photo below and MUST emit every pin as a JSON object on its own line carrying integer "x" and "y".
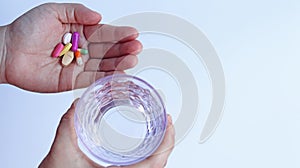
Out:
{"x": 30, "y": 40}
{"x": 65, "y": 153}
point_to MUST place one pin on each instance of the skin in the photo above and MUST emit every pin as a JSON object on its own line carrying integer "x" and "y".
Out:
{"x": 26, "y": 62}
{"x": 65, "y": 152}
{"x": 29, "y": 41}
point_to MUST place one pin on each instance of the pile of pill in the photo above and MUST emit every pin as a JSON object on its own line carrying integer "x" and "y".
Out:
{"x": 68, "y": 49}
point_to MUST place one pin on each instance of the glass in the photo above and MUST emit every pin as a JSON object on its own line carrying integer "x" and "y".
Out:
{"x": 120, "y": 120}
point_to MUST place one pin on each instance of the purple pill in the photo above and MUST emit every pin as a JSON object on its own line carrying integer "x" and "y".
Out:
{"x": 75, "y": 40}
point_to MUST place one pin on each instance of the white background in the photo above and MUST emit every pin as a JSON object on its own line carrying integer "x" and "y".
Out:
{"x": 258, "y": 45}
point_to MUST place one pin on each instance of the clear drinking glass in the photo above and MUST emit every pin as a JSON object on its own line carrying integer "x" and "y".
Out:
{"x": 120, "y": 120}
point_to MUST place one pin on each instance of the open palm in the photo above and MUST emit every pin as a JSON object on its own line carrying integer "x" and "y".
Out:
{"x": 31, "y": 39}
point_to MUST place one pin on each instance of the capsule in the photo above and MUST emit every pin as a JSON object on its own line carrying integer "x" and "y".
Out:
{"x": 67, "y": 38}
{"x": 57, "y": 50}
{"x": 79, "y": 60}
{"x": 75, "y": 41}
{"x": 66, "y": 49}
{"x": 68, "y": 58}
{"x": 83, "y": 51}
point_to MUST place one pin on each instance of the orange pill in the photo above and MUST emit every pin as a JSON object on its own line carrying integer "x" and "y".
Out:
{"x": 77, "y": 54}
{"x": 78, "y": 58}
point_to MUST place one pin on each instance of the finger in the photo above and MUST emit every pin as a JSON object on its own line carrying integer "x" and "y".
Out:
{"x": 65, "y": 139}
{"x": 75, "y": 13}
{"x": 169, "y": 139}
{"x": 160, "y": 157}
{"x": 109, "y": 33}
{"x": 65, "y": 145}
{"x": 111, "y": 64}
{"x": 85, "y": 79}
{"x": 65, "y": 134}
{"x": 106, "y": 50}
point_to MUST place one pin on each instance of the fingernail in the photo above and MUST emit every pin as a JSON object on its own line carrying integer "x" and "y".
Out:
{"x": 169, "y": 117}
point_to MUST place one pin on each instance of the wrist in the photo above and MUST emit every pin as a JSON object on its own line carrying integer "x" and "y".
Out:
{"x": 3, "y": 50}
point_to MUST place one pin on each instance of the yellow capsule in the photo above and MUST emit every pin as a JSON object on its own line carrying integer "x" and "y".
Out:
{"x": 66, "y": 49}
{"x": 68, "y": 58}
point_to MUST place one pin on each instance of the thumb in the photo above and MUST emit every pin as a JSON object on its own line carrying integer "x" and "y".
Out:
{"x": 75, "y": 13}
{"x": 64, "y": 151}
{"x": 66, "y": 128}
{"x": 65, "y": 137}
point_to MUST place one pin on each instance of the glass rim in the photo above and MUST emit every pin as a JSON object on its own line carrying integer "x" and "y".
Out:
{"x": 103, "y": 81}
